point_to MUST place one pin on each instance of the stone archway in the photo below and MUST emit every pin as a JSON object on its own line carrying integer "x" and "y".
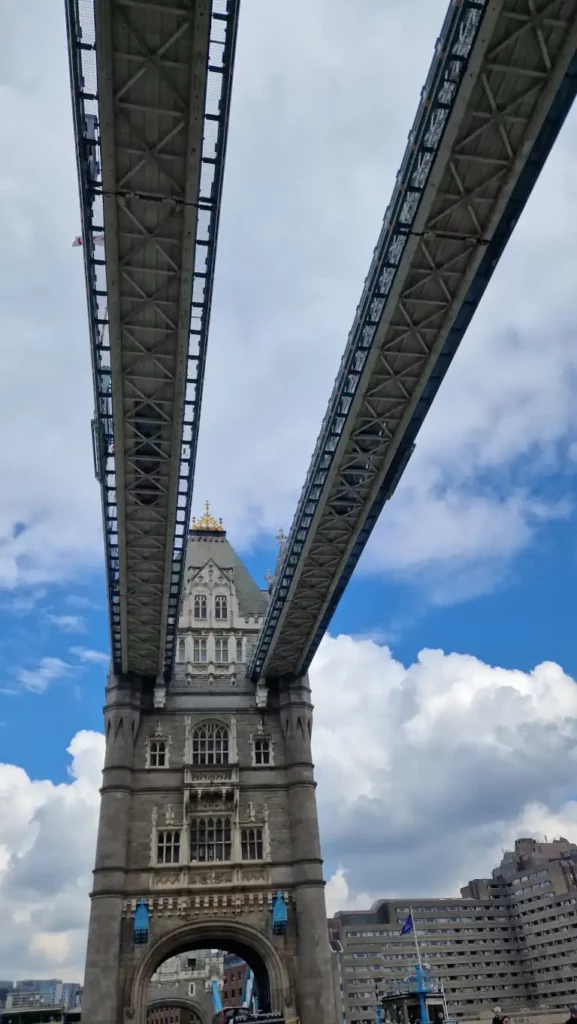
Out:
{"x": 184, "y": 1004}
{"x": 236, "y": 937}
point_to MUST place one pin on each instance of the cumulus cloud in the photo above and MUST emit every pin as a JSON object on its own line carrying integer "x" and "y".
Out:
{"x": 68, "y": 623}
{"x": 92, "y": 657}
{"x": 316, "y": 139}
{"x": 38, "y": 679}
{"x": 47, "y": 842}
{"x": 425, "y": 771}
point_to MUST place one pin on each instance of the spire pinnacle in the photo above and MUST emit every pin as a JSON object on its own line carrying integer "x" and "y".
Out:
{"x": 207, "y": 522}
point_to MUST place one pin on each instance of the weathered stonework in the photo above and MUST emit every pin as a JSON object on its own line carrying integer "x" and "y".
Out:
{"x": 193, "y": 824}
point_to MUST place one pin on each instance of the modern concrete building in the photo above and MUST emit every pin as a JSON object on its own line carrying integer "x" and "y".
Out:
{"x": 208, "y": 812}
{"x": 36, "y": 992}
{"x": 510, "y": 940}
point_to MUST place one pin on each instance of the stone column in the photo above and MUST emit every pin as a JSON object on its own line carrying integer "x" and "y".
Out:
{"x": 102, "y": 996}
{"x": 315, "y": 986}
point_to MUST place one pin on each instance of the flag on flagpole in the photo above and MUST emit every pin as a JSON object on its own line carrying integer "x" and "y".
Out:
{"x": 97, "y": 239}
{"x": 408, "y": 925}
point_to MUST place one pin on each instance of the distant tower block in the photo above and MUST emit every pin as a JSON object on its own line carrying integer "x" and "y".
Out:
{"x": 208, "y": 831}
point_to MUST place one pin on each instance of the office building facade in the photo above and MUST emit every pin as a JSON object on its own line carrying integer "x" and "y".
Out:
{"x": 510, "y": 940}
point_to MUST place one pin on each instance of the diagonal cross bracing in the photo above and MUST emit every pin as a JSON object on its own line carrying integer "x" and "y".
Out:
{"x": 502, "y": 81}
{"x": 151, "y": 84}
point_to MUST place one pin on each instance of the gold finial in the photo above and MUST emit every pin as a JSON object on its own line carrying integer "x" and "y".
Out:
{"x": 207, "y": 522}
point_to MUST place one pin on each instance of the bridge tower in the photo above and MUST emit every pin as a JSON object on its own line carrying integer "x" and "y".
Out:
{"x": 209, "y": 812}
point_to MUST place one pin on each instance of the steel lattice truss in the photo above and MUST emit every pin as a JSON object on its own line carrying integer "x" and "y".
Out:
{"x": 151, "y": 91}
{"x": 502, "y": 80}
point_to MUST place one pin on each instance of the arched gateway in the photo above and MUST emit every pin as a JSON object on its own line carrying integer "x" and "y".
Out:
{"x": 209, "y": 813}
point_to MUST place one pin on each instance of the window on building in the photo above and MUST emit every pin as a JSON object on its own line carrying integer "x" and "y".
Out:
{"x": 157, "y": 753}
{"x": 251, "y": 843}
{"x": 200, "y": 606}
{"x": 220, "y": 607}
{"x": 191, "y": 988}
{"x": 262, "y": 750}
{"x": 199, "y": 651}
{"x": 168, "y": 846}
{"x": 210, "y": 744}
{"x": 181, "y": 649}
{"x": 221, "y": 649}
{"x": 239, "y": 649}
{"x": 210, "y": 839}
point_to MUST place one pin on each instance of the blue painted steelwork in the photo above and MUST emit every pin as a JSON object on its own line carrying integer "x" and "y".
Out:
{"x": 279, "y": 915}
{"x": 141, "y": 922}
{"x": 424, "y": 141}
{"x": 248, "y": 998}
{"x": 84, "y": 88}
{"x": 216, "y": 1000}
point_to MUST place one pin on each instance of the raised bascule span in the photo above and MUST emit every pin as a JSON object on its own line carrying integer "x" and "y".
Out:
{"x": 208, "y": 834}
{"x": 503, "y": 78}
{"x": 151, "y": 84}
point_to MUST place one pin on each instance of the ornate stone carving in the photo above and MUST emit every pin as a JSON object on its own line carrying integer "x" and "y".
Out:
{"x": 208, "y": 778}
{"x": 218, "y": 904}
{"x": 169, "y": 815}
{"x": 255, "y": 875}
{"x": 154, "y": 815}
{"x": 261, "y": 695}
{"x": 167, "y": 881}
{"x": 204, "y": 878}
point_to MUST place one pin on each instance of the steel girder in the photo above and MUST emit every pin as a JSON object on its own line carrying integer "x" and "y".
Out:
{"x": 151, "y": 83}
{"x": 503, "y": 78}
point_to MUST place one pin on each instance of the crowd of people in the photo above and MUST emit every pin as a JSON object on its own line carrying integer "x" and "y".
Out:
{"x": 502, "y": 1018}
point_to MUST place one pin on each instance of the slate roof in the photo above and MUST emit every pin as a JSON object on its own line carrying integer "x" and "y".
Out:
{"x": 204, "y": 545}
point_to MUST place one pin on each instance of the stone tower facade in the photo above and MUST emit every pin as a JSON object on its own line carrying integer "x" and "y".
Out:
{"x": 208, "y": 812}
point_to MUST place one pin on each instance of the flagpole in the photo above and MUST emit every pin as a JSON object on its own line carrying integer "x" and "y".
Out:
{"x": 445, "y": 1001}
{"x": 416, "y": 939}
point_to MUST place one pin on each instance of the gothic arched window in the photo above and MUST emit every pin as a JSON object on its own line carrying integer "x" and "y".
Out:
{"x": 262, "y": 750}
{"x": 200, "y": 606}
{"x": 221, "y": 649}
{"x": 211, "y": 838}
{"x": 199, "y": 651}
{"x": 220, "y": 607}
{"x": 210, "y": 744}
{"x": 239, "y": 649}
{"x": 251, "y": 843}
{"x": 157, "y": 753}
{"x": 181, "y": 650}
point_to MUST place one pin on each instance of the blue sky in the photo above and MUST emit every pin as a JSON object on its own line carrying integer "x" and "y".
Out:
{"x": 527, "y": 617}
{"x": 475, "y": 558}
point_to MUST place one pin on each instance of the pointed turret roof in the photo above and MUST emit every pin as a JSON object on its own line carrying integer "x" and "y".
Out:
{"x": 207, "y": 540}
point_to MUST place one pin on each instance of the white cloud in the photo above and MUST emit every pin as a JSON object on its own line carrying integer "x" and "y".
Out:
{"x": 47, "y": 842}
{"x": 315, "y": 143}
{"x": 93, "y": 657}
{"x": 424, "y": 773}
{"x": 339, "y": 897}
{"x": 38, "y": 680}
{"x": 68, "y": 623}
